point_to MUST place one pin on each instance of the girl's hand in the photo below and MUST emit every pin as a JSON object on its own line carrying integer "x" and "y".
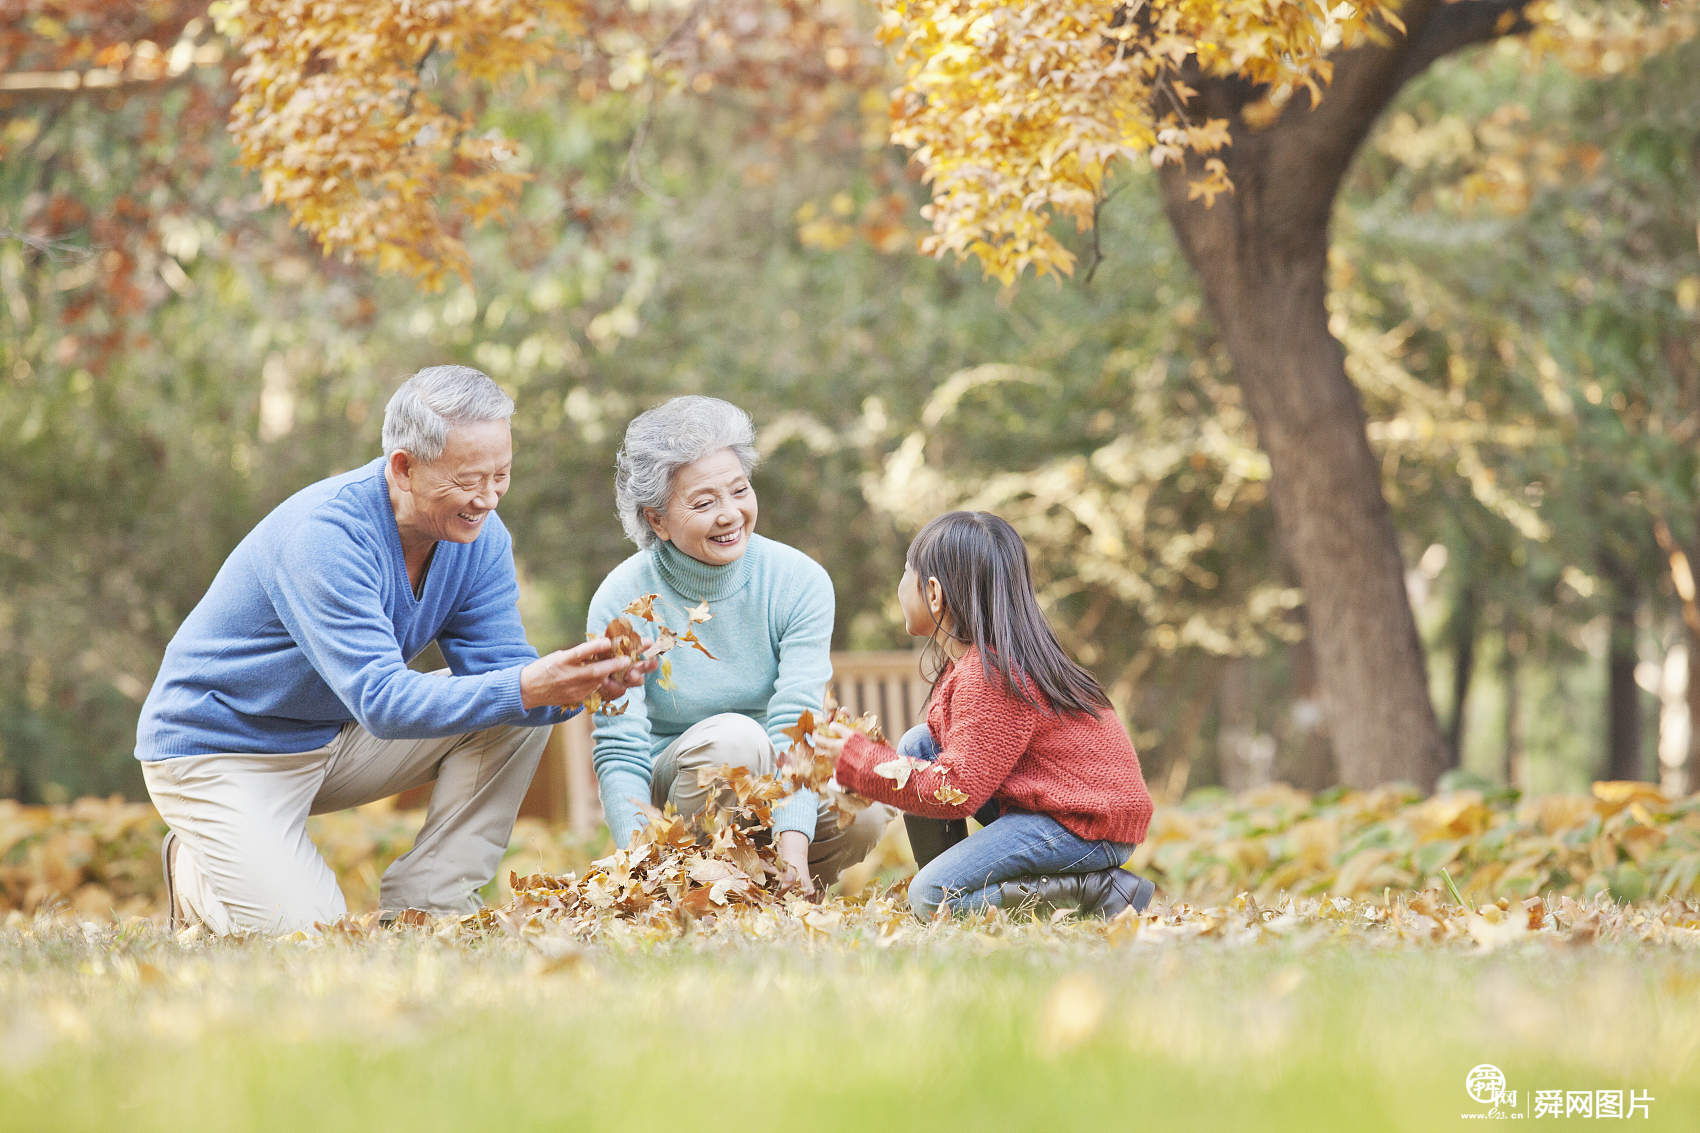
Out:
{"x": 830, "y": 740}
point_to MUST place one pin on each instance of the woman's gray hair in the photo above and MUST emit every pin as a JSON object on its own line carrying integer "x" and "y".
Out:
{"x": 663, "y": 440}
{"x": 436, "y": 399}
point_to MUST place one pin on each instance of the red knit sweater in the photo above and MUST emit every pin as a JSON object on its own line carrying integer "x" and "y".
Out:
{"x": 1080, "y": 770}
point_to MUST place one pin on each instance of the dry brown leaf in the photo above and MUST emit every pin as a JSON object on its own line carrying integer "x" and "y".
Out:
{"x": 898, "y": 770}
{"x": 643, "y": 607}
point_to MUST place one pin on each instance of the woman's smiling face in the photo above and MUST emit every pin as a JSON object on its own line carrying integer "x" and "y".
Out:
{"x": 712, "y": 511}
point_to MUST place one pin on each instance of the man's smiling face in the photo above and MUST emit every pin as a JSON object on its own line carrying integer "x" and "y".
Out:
{"x": 452, "y": 495}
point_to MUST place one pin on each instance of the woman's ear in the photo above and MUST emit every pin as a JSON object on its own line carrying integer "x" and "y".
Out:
{"x": 935, "y": 599}
{"x": 656, "y": 524}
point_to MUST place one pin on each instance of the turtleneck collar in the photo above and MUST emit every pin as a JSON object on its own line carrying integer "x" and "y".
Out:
{"x": 699, "y": 580}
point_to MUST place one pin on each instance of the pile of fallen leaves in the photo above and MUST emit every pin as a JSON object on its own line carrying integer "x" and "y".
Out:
{"x": 1625, "y": 839}
{"x": 681, "y": 868}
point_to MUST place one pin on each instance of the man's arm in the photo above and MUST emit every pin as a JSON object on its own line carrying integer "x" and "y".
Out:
{"x": 325, "y": 591}
{"x": 485, "y": 633}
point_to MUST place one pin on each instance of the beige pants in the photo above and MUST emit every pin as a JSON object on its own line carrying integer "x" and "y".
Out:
{"x": 245, "y": 861}
{"x": 732, "y": 738}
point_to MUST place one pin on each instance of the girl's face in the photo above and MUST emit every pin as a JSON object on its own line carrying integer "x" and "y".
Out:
{"x": 923, "y": 607}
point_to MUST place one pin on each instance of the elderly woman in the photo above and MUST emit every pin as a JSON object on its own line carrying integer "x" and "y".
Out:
{"x": 684, "y": 495}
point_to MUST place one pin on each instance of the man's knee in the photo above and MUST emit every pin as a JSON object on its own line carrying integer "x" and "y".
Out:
{"x": 517, "y": 741}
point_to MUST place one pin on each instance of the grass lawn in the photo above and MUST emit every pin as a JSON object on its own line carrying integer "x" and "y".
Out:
{"x": 767, "y": 1024}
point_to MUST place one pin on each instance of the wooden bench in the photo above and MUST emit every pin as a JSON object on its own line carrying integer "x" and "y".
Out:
{"x": 888, "y": 684}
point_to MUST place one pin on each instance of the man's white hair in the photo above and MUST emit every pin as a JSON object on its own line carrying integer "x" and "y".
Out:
{"x": 436, "y": 399}
{"x": 663, "y": 440}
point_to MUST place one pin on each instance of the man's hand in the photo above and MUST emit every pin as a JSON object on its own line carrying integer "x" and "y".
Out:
{"x": 793, "y": 850}
{"x": 569, "y": 676}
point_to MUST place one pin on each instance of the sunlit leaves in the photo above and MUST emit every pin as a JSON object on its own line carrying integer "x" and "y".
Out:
{"x": 338, "y": 114}
{"x": 364, "y": 120}
{"x": 1018, "y": 112}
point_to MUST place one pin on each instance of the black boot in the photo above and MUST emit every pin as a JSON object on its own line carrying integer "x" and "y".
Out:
{"x": 1102, "y": 893}
{"x": 930, "y": 837}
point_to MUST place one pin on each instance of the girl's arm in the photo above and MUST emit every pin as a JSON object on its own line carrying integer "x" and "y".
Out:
{"x": 988, "y": 732}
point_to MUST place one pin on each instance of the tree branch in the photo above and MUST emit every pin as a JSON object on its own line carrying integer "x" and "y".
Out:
{"x": 1457, "y": 25}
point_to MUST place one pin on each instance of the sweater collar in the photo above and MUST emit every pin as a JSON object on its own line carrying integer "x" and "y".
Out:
{"x": 699, "y": 580}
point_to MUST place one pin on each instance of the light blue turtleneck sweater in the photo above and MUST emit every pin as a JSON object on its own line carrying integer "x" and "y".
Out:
{"x": 772, "y": 635}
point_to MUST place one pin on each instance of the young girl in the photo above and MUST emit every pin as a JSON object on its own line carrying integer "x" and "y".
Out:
{"x": 1018, "y": 735}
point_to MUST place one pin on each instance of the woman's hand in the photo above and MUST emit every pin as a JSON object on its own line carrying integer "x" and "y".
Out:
{"x": 569, "y": 676}
{"x": 793, "y": 850}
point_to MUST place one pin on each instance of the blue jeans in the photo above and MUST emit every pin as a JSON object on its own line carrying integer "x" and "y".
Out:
{"x": 968, "y": 875}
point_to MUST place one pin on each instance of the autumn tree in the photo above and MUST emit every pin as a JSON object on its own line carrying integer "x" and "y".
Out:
{"x": 1016, "y": 111}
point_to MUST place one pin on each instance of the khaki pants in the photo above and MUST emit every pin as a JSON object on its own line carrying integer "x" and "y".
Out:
{"x": 245, "y": 861}
{"x": 733, "y": 738}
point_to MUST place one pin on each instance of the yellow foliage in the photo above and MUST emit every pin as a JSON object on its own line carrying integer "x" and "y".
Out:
{"x": 1017, "y": 112}
{"x": 360, "y": 114}
{"x": 336, "y": 115}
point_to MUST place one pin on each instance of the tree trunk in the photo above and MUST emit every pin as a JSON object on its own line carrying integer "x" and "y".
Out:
{"x": 1462, "y": 624}
{"x": 1516, "y": 771}
{"x": 1310, "y": 762}
{"x": 1689, "y": 782}
{"x": 1623, "y": 696}
{"x": 1261, "y": 255}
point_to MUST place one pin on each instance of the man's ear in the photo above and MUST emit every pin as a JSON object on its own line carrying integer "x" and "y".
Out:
{"x": 655, "y": 524}
{"x": 401, "y": 469}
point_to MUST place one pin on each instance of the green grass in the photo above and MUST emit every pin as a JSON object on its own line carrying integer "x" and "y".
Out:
{"x": 1015, "y": 1028}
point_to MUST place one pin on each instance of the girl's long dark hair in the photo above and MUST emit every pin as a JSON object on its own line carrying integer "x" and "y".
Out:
{"x": 987, "y": 585}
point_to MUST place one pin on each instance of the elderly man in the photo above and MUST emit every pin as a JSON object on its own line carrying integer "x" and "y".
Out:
{"x": 286, "y": 691}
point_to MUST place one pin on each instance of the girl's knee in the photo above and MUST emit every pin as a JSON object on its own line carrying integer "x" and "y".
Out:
{"x": 926, "y": 895}
{"x": 918, "y": 742}
{"x": 924, "y": 903}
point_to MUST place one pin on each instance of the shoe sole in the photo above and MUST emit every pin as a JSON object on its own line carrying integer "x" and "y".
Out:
{"x": 167, "y": 850}
{"x": 1136, "y": 899}
{"x": 1142, "y": 894}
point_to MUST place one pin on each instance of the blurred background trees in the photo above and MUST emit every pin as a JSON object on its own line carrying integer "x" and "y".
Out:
{"x": 1515, "y": 278}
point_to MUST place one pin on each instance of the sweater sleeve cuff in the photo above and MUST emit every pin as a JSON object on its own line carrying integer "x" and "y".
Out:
{"x": 856, "y": 762}
{"x": 796, "y": 812}
{"x": 618, "y": 789}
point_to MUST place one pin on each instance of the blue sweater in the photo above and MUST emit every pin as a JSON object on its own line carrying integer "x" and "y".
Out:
{"x": 311, "y": 621}
{"x": 772, "y": 635}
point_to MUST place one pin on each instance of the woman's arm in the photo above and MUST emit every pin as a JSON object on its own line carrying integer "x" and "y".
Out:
{"x": 623, "y": 758}
{"x": 805, "y": 667}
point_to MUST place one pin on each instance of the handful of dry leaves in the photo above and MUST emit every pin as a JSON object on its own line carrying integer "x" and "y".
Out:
{"x": 628, "y": 644}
